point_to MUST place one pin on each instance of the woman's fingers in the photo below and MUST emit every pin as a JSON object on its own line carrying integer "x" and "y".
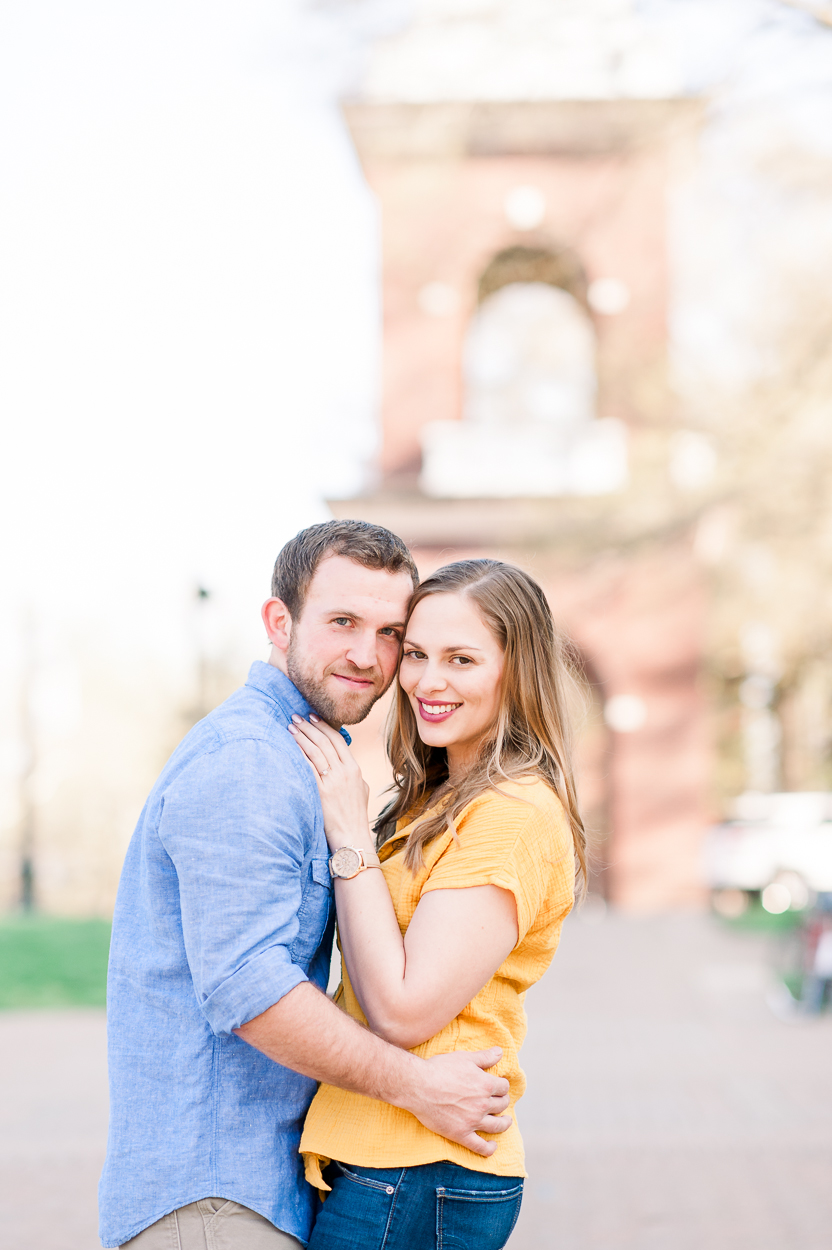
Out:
{"x": 328, "y": 742}
{"x": 326, "y": 733}
{"x": 317, "y": 756}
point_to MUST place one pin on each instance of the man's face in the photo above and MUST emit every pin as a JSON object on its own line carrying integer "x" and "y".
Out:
{"x": 344, "y": 646}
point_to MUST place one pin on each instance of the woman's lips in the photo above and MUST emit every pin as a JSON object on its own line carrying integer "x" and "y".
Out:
{"x": 435, "y": 713}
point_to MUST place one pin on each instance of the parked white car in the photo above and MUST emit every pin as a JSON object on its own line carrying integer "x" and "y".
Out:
{"x": 779, "y": 845}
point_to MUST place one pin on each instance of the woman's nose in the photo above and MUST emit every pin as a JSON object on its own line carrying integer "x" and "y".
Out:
{"x": 431, "y": 682}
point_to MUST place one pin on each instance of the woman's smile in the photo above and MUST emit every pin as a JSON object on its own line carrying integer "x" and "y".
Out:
{"x": 432, "y": 711}
{"x": 451, "y": 670}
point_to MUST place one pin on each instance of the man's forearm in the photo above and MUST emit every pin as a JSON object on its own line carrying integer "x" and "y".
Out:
{"x": 305, "y": 1031}
{"x": 452, "y": 1095}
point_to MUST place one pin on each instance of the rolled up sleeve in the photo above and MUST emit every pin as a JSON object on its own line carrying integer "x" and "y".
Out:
{"x": 236, "y": 824}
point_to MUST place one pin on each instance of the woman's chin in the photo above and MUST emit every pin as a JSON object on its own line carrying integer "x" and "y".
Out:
{"x": 433, "y": 735}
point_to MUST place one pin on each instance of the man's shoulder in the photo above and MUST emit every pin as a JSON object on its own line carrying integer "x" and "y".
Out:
{"x": 242, "y": 734}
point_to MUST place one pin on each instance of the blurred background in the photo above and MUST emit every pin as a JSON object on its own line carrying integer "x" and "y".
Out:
{"x": 542, "y": 279}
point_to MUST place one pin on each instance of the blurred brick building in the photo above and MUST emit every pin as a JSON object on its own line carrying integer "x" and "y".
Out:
{"x": 526, "y": 414}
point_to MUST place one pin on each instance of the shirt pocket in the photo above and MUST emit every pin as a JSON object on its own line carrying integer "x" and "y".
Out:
{"x": 313, "y": 913}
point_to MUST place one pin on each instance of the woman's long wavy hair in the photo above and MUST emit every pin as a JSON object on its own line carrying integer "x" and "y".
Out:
{"x": 531, "y": 736}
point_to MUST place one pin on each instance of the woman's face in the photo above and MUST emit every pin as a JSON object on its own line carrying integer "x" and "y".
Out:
{"x": 452, "y": 670}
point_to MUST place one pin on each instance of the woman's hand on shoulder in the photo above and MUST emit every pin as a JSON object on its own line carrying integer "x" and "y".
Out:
{"x": 343, "y": 790}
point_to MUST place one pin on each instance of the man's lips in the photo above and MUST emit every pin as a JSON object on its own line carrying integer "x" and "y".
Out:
{"x": 355, "y": 683}
{"x": 434, "y": 711}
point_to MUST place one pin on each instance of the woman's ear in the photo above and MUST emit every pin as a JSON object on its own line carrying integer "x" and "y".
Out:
{"x": 278, "y": 622}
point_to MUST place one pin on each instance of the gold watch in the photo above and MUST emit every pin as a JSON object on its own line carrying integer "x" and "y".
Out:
{"x": 349, "y": 861}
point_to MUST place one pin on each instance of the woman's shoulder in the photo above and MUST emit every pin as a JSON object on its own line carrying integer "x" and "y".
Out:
{"x": 523, "y": 804}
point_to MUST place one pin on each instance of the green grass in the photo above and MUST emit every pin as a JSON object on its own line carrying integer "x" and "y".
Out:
{"x": 47, "y": 962}
{"x": 757, "y": 920}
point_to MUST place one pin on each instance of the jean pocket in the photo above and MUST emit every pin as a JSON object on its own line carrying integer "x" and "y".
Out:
{"x": 369, "y": 1182}
{"x": 476, "y": 1219}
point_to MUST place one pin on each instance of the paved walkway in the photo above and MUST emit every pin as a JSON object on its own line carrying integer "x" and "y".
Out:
{"x": 668, "y": 1109}
{"x": 53, "y": 1128}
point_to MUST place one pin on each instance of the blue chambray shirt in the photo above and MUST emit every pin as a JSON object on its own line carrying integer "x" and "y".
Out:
{"x": 225, "y": 904}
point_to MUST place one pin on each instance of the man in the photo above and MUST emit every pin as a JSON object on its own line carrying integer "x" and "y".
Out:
{"x": 218, "y": 1026}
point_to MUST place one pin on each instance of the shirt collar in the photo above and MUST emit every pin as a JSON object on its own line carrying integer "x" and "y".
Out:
{"x": 275, "y": 685}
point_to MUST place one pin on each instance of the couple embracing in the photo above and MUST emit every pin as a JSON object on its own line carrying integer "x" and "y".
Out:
{"x": 248, "y": 1110}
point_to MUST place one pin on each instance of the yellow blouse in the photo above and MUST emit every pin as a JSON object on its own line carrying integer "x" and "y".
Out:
{"x": 519, "y": 840}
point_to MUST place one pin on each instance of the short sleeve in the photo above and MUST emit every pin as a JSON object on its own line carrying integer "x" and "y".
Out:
{"x": 513, "y": 843}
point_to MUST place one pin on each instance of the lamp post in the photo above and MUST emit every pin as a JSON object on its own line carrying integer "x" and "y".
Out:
{"x": 202, "y": 597}
{"x": 29, "y": 744}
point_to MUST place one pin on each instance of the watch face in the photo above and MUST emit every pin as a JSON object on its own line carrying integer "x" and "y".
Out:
{"x": 345, "y": 862}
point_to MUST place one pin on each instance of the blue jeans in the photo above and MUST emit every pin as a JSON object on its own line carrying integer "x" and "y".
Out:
{"x": 438, "y": 1206}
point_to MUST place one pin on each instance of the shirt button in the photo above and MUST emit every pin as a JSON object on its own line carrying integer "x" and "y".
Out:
{"x": 390, "y": 1189}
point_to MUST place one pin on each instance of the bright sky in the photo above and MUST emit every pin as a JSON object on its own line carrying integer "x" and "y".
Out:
{"x": 188, "y": 304}
{"x": 188, "y": 316}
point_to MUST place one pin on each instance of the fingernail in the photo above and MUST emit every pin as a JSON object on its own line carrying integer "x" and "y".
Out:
{"x": 291, "y": 729}
{"x": 297, "y": 719}
{"x": 312, "y": 716}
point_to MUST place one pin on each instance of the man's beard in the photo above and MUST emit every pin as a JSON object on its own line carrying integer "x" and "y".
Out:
{"x": 350, "y": 709}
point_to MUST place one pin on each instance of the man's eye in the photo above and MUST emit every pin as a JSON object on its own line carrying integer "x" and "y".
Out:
{"x": 390, "y": 632}
{"x": 341, "y": 620}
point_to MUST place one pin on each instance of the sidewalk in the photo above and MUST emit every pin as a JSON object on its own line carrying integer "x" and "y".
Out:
{"x": 53, "y": 1127}
{"x": 667, "y": 1108}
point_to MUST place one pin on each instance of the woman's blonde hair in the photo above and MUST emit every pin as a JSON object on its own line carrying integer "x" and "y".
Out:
{"x": 531, "y": 735}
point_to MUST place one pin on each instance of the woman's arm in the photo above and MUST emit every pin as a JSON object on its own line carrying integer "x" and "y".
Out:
{"x": 409, "y": 987}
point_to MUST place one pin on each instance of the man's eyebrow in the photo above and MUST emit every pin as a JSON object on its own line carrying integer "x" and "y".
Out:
{"x": 356, "y": 616}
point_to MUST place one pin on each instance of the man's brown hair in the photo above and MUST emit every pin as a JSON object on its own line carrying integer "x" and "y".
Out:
{"x": 369, "y": 545}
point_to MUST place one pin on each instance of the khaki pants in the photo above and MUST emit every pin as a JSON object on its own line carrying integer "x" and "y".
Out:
{"x": 213, "y": 1224}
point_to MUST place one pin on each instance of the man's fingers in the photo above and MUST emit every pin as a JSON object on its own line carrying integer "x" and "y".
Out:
{"x": 478, "y": 1145}
{"x": 486, "y": 1058}
{"x": 498, "y": 1104}
{"x": 495, "y": 1124}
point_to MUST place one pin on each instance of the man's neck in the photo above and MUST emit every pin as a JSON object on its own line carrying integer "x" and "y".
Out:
{"x": 278, "y": 660}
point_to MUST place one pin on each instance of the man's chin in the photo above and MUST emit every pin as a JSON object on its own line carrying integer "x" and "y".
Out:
{"x": 354, "y": 707}
{"x": 330, "y": 698}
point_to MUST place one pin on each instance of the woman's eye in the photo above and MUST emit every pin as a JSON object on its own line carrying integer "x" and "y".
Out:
{"x": 414, "y": 655}
{"x": 461, "y": 659}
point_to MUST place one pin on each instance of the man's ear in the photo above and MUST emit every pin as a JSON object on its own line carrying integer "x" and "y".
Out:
{"x": 278, "y": 622}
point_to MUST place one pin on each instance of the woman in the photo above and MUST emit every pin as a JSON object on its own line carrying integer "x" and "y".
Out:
{"x": 477, "y": 853}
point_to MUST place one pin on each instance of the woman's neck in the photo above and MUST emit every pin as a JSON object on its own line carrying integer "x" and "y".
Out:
{"x": 460, "y": 762}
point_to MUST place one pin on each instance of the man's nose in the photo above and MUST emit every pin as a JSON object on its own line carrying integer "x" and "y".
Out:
{"x": 363, "y": 652}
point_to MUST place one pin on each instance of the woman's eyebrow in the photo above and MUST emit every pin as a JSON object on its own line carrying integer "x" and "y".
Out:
{"x": 408, "y": 642}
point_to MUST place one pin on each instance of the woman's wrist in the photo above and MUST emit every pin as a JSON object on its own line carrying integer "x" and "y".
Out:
{"x": 362, "y": 841}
